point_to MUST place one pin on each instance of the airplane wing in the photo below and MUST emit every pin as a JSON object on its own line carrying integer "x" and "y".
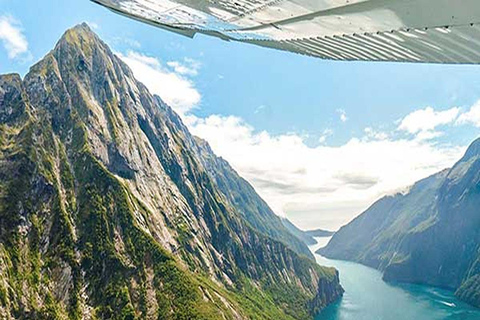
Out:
{"x": 436, "y": 31}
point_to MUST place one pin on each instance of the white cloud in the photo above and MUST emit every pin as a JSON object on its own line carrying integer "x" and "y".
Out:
{"x": 371, "y": 133}
{"x": 188, "y": 67}
{"x": 342, "y": 114}
{"x": 424, "y": 121}
{"x": 472, "y": 116}
{"x": 132, "y": 43}
{"x": 173, "y": 87}
{"x": 93, "y": 25}
{"x": 326, "y": 185}
{"x": 260, "y": 109}
{"x": 325, "y": 135}
{"x": 13, "y": 39}
{"x": 332, "y": 184}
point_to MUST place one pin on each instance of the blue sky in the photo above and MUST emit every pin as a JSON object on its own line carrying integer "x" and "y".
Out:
{"x": 281, "y": 119}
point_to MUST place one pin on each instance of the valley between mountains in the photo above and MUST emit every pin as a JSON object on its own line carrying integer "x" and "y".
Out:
{"x": 111, "y": 209}
{"x": 428, "y": 235}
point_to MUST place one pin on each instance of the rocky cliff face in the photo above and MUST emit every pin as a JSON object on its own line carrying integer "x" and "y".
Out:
{"x": 430, "y": 235}
{"x": 110, "y": 209}
{"x": 243, "y": 197}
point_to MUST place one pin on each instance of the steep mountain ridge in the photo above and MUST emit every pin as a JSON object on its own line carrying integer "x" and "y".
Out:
{"x": 110, "y": 209}
{"x": 429, "y": 235}
{"x": 244, "y": 198}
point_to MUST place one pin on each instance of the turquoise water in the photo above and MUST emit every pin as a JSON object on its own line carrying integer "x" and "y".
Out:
{"x": 368, "y": 297}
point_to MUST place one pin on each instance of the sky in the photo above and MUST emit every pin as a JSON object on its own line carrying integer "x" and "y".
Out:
{"x": 319, "y": 140}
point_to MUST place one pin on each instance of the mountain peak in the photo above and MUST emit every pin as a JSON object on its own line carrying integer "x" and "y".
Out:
{"x": 473, "y": 150}
{"x": 82, "y": 60}
{"x": 79, "y": 41}
{"x": 81, "y": 30}
{"x": 81, "y": 27}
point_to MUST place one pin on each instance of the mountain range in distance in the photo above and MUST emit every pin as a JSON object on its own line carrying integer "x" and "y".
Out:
{"x": 307, "y": 236}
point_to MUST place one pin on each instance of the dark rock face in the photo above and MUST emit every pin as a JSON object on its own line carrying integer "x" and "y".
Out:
{"x": 11, "y": 98}
{"x": 430, "y": 235}
{"x": 110, "y": 209}
{"x": 326, "y": 295}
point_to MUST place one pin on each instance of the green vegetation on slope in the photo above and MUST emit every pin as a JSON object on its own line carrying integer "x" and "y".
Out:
{"x": 108, "y": 209}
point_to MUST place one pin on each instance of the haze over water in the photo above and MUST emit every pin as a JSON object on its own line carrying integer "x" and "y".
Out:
{"x": 368, "y": 297}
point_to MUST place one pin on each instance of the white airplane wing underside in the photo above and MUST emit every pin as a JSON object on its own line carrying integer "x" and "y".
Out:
{"x": 438, "y": 31}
